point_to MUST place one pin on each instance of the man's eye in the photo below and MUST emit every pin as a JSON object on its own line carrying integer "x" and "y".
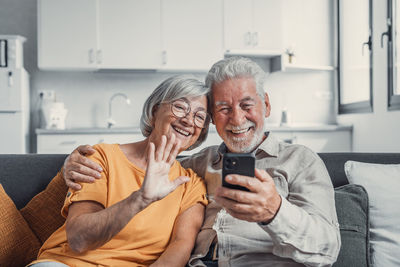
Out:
{"x": 247, "y": 106}
{"x": 223, "y": 109}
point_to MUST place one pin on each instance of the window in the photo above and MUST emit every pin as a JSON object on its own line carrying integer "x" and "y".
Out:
{"x": 393, "y": 22}
{"x": 355, "y": 56}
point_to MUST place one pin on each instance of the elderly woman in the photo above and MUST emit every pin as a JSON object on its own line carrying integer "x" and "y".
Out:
{"x": 146, "y": 209}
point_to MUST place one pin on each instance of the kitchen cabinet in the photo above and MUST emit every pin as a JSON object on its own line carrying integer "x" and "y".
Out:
{"x": 93, "y": 34}
{"x": 67, "y": 35}
{"x": 309, "y": 34}
{"x": 253, "y": 25}
{"x": 129, "y": 34}
{"x": 191, "y": 34}
{"x": 65, "y": 143}
{"x": 318, "y": 140}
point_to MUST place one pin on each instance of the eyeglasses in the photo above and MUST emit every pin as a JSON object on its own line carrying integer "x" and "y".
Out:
{"x": 180, "y": 108}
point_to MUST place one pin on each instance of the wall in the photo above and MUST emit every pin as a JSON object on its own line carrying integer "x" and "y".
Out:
{"x": 378, "y": 131}
{"x": 309, "y": 96}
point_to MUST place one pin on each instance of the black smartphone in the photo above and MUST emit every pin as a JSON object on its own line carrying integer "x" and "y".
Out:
{"x": 237, "y": 163}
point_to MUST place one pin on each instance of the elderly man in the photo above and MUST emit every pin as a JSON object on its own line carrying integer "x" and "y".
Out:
{"x": 288, "y": 216}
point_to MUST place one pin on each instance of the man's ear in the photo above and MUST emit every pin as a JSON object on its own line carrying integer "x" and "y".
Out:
{"x": 267, "y": 105}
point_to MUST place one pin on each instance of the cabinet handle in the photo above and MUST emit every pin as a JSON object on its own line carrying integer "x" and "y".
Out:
{"x": 65, "y": 143}
{"x": 368, "y": 43}
{"x": 164, "y": 57}
{"x": 247, "y": 38}
{"x": 255, "y": 39}
{"x": 388, "y": 33}
{"x": 99, "y": 56}
{"x": 91, "y": 56}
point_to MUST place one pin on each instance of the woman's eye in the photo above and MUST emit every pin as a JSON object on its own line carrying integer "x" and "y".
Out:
{"x": 180, "y": 107}
{"x": 200, "y": 117}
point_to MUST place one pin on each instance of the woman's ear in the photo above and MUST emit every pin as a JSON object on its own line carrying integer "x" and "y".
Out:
{"x": 154, "y": 111}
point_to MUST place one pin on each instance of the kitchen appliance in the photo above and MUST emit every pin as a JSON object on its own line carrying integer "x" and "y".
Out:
{"x": 14, "y": 96}
{"x": 54, "y": 115}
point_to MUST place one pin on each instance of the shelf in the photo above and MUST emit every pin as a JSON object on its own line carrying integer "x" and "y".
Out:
{"x": 304, "y": 68}
{"x": 253, "y": 53}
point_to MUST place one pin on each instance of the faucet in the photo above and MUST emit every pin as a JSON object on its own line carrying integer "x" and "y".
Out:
{"x": 110, "y": 120}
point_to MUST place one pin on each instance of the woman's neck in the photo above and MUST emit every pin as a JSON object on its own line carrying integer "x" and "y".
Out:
{"x": 137, "y": 152}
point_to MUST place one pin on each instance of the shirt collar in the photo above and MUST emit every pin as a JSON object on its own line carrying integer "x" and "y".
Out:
{"x": 270, "y": 146}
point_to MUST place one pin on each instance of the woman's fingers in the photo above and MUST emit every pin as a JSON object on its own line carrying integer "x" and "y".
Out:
{"x": 174, "y": 152}
{"x": 160, "y": 150}
{"x": 169, "y": 146}
{"x": 150, "y": 152}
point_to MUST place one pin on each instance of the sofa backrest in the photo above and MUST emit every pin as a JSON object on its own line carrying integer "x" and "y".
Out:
{"x": 334, "y": 162}
{"x": 24, "y": 176}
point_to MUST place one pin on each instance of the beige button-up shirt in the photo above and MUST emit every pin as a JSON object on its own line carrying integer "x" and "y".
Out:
{"x": 305, "y": 230}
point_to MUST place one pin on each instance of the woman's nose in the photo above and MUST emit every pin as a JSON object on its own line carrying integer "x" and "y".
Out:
{"x": 188, "y": 119}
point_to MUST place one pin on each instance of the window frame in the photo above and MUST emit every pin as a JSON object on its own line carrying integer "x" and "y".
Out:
{"x": 360, "y": 106}
{"x": 393, "y": 99}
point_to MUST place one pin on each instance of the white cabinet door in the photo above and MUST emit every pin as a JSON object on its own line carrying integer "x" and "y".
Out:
{"x": 267, "y": 24}
{"x": 192, "y": 33}
{"x": 67, "y": 33}
{"x": 337, "y": 141}
{"x": 129, "y": 34}
{"x": 253, "y": 24}
{"x": 319, "y": 141}
{"x": 238, "y": 24}
{"x": 66, "y": 143}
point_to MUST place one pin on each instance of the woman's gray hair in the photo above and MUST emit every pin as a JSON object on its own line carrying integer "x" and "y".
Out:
{"x": 171, "y": 89}
{"x": 236, "y": 67}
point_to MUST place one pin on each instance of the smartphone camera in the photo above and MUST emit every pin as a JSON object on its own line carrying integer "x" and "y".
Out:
{"x": 231, "y": 163}
{"x": 237, "y": 163}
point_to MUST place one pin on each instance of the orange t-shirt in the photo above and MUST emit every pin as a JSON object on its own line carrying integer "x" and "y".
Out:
{"x": 148, "y": 233}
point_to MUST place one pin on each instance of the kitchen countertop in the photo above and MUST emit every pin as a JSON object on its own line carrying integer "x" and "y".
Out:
{"x": 271, "y": 127}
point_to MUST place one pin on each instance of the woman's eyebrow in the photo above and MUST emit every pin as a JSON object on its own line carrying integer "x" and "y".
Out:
{"x": 200, "y": 108}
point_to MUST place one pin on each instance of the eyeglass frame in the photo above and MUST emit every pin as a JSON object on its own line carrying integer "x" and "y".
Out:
{"x": 188, "y": 111}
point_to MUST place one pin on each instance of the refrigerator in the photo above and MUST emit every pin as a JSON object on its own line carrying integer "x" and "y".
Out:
{"x": 14, "y": 97}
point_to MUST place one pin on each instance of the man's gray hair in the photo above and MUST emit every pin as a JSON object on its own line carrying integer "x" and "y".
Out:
{"x": 171, "y": 89}
{"x": 236, "y": 67}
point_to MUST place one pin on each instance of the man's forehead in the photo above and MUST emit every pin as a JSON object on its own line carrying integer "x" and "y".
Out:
{"x": 244, "y": 99}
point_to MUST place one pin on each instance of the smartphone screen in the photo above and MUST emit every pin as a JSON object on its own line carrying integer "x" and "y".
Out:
{"x": 237, "y": 163}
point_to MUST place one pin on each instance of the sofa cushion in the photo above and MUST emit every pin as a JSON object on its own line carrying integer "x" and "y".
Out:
{"x": 19, "y": 245}
{"x": 352, "y": 211}
{"x": 43, "y": 212}
{"x": 382, "y": 182}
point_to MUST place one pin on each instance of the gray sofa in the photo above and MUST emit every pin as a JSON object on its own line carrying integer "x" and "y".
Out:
{"x": 24, "y": 176}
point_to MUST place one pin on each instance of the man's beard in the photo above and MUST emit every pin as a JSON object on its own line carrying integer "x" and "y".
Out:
{"x": 244, "y": 144}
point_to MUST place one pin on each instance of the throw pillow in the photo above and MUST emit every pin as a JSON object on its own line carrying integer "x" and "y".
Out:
{"x": 43, "y": 212}
{"x": 382, "y": 182}
{"x": 18, "y": 244}
{"x": 352, "y": 210}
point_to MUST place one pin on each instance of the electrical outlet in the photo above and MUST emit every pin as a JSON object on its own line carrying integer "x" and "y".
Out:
{"x": 47, "y": 95}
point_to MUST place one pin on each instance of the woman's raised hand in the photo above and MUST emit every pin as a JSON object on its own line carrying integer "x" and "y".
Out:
{"x": 156, "y": 184}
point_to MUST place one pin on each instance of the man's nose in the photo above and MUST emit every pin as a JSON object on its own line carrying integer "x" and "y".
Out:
{"x": 238, "y": 116}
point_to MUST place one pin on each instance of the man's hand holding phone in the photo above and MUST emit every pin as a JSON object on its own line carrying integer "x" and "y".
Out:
{"x": 259, "y": 203}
